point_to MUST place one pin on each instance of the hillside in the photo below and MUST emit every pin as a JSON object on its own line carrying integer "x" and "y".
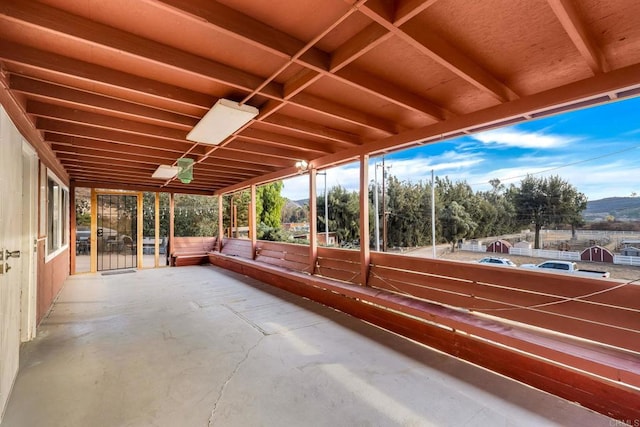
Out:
{"x": 621, "y": 208}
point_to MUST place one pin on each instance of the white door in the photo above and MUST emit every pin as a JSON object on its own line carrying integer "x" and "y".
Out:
{"x": 10, "y": 239}
{"x": 28, "y": 302}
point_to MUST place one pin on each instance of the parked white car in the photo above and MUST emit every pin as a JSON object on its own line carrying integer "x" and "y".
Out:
{"x": 566, "y": 267}
{"x": 497, "y": 261}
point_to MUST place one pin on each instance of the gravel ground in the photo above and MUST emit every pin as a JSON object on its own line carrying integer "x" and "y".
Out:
{"x": 618, "y": 272}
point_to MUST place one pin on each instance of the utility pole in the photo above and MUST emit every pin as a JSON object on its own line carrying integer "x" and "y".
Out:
{"x": 384, "y": 209}
{"x": 377, "y": 216}
{"x": 433, "y": 214}
{"x": 326, "y": 212}
{"x": 326, "y": 209}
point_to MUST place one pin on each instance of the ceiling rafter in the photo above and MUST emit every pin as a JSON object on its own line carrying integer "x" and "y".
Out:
{"x": 313, "y": 129}
{"x": 249, "y": 146}
{"x": 80, "y": 142}
{"x": 86, "y": 31}
{"x": 245, "y": 28}
{"x": 225, "y": 19}
{"x": 91, "y": 101}
{"x": 111, "y": 135}
{"x": 338, "y": 111}
{"x": 441, "y": 51}
{"x": 275, "y": 139}
{"x": 103, "y": 79}
{"x": 106, "y": 184}
{"x": 569, "y": 18}
{"x": 41, "y": 109}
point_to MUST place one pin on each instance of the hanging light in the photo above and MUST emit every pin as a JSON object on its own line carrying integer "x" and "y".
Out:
{"x": 186, "y": 170}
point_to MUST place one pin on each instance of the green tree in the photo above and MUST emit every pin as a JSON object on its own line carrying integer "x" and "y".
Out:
{"x": 456, "y": 223}
{"x": 269, "y": 204}
{"x": 344, "y": 213}
{"x": 545, "y": 201}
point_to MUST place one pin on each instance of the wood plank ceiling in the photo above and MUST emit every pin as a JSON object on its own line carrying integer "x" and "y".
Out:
{"x": 108, "y": 89}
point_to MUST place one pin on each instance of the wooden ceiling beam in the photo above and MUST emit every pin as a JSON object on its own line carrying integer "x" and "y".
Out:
{"x": 255, "y": 159}
{"x": 312, "y": 129}
{"x": 568, "y": 16}
{"x": 104, "y": 79}
{"x": 323, "y": 64}
{"x": 393, "y": 93}
{"x": 246, "y": 145}
{"x": 125, "y": 149}
{"x": 57, "y": 112}
{"x": 108, "y": 154}
{"x": 109, "y": 135}
{"x": 75, "y": 164}
{"x": 242, "y": 27}
{"x": 367, "y": 39}
{"x": 89, "y": 183}
{"x": 270, "y": 138}
{"x": 408, "y": 9}
{"x": 342, "y": 112}
{"x": 91, "y": 101}
{"x": 92, "y": 33}
{"x": 441, "y": 51}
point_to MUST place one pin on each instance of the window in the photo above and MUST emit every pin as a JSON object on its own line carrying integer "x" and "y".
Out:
{"x": 57, "y": 215}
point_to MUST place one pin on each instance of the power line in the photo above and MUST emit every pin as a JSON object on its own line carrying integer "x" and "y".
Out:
{"x": 562, "y": 166}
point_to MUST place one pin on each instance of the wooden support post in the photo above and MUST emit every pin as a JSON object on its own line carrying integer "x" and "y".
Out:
{"x": 156, "y": 233}
{"x": 93, "y": 251}
{"x": 140, "y": 233}
{"x": 253, "y": 232}
{"x": 73, "y": 242}
{"x": 365, "y": 252}
{"x": 313, "y": 221}
{"x": 171, "y": 224}
{"x": 220, "y": 222}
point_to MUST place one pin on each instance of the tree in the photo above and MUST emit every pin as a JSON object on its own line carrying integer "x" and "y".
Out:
{"x": 269, "y": 204}
{"x": 456, "y": 223}
{"x": 545, "y": 201}
{"x": 344, "y": 213}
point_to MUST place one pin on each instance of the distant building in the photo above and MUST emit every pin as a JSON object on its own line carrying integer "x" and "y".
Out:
{"x": 630, "y": 251}
{"x": 499, "y": 246}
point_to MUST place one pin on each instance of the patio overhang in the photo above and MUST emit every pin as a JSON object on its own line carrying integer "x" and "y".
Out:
{"x": 108, "y": 91}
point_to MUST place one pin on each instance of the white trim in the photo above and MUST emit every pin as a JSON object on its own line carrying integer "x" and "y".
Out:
{"x": 65, "y": 210}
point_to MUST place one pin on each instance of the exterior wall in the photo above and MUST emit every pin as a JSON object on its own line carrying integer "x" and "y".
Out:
{"x": 51, "y": 277}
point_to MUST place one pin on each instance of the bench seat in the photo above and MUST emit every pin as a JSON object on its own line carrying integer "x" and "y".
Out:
{"x": 596, "y": 376}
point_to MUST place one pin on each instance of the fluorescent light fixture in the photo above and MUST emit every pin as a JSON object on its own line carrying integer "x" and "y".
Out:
{"x": 224, "y": 118}
{"x": 165, "y": 172}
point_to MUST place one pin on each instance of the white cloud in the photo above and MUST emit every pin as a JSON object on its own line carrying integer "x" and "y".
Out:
{"x": 522, "y": 139}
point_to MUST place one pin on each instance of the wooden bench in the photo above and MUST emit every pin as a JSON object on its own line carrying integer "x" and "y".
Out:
{"x": 594, "y": 360}
{"x": 191, "y": 250}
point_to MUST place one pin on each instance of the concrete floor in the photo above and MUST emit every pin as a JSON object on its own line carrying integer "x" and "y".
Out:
{"x": 198, "y": 346}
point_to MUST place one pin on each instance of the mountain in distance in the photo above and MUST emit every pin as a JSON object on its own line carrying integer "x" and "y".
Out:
{"x": 621, "y": 208}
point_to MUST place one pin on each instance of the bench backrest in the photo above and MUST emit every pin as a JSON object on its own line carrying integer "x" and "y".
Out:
{"x": 237, "y": 247}
{"x": 604, "y": 311}
{"x": 338, "y": 264}
{"x": 192, "y": 245}
{"x": 287, "y": 255}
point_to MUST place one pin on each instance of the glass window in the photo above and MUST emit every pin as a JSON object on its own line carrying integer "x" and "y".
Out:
{"x": 57, "y": 215}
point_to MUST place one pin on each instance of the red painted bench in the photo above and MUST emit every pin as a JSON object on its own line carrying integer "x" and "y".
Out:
{"x": 441, "y": 304}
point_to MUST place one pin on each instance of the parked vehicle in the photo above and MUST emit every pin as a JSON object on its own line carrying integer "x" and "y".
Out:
{"x": 566, "y": 267}
{"x": 497, "y": 261}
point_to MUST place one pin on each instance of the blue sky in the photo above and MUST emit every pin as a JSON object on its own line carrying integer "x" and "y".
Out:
{"x": 596, "y": 149}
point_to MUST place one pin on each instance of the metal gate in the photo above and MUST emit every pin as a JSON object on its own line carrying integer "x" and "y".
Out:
{"x": 117, "y": 231}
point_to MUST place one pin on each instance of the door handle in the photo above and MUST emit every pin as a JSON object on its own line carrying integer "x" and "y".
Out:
{"x": 12, "y": 254}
